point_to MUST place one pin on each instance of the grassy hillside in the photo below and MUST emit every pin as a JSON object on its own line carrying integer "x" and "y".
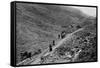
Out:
{"x": 38, "y": 25}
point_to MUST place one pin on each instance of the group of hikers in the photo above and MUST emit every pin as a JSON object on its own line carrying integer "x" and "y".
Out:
{"x": 60, "y": 36}
{"x": 25, "y": 55}
{"x": 29, "y": 54}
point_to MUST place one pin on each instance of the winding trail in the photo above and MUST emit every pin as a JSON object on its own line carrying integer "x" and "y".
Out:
{"x": 36, "y": 59}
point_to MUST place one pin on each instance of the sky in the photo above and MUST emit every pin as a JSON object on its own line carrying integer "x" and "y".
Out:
{"x": 91, "y": 11}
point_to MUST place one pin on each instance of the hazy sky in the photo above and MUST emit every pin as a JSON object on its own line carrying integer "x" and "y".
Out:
{"x": 88, "y": 10}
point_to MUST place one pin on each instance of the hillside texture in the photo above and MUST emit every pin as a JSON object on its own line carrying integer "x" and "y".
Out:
{"x": 39, "y": 24}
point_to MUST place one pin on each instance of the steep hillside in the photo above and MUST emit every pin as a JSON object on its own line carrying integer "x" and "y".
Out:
{"x": 38, "y": 25}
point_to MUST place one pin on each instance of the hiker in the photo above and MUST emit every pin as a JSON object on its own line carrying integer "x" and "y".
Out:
{"x": 39, "y": 51}
{"x": 63, "y": 34}
{"x": 58, "y": 36}
{"x": 23, "y": 55}
{"x": 50, "y": 47}
{"x": 53, "y": 43}
{"x": 42, "y": 59}
{"x": 29, "y": 55}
